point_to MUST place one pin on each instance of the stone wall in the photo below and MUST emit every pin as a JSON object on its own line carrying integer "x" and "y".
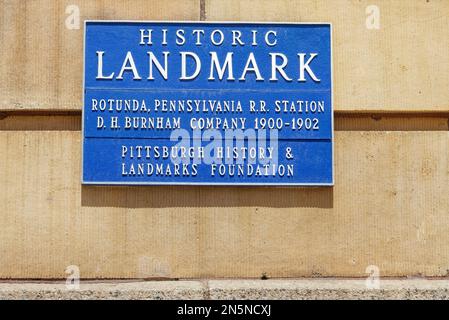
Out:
{"x": 389, "y": 206}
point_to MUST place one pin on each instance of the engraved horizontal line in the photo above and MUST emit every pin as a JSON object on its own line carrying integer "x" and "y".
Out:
{"x": 202, "y": 89}
{"x": 196, "y": 139}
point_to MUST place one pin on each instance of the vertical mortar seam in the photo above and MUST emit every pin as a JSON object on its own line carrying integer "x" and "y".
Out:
{"x": 202, "y": 10}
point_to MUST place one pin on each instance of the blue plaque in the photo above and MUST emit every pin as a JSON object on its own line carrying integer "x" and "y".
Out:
{"x": 194, "y": 103}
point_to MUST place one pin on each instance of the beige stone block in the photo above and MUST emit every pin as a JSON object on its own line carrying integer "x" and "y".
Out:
{"x": 400, "y": 67}
{"x": 42, "y": 60}
{"x": 388, "y": 208}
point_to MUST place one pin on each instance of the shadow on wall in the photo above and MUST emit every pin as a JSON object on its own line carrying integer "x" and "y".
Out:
{"x": 188, "y": 196}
